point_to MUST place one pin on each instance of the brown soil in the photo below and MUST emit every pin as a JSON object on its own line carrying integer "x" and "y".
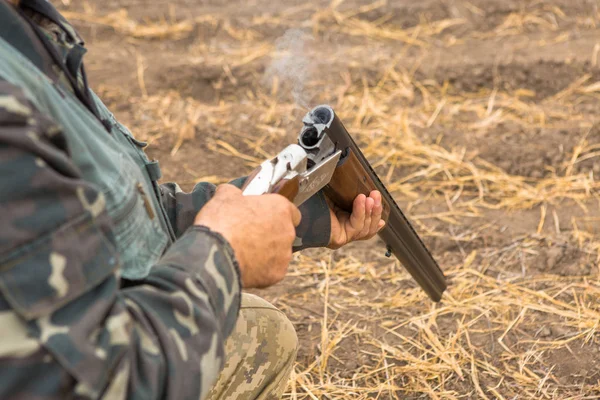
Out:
{"x": 509, "y": 84}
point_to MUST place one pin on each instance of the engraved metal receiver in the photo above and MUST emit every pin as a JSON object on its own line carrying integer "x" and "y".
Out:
{"x": 288, "y": 174}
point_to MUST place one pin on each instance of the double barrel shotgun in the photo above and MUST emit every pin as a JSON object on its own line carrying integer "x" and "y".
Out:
{"x": 326, "y": 157}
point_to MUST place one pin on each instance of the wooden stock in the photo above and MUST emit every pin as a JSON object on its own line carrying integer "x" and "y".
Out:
{"x": 349, "y": 180}
{"x": 288, "y": 188}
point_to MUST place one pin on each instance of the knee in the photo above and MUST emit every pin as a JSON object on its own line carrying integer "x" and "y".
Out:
{"x": 260, "y": 353}
{"x": 274, "y": 333}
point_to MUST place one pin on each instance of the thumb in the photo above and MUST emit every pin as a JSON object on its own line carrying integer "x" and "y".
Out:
{"x": 296, "y": 215}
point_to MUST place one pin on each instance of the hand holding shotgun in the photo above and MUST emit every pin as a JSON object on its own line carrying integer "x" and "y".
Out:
{"x": 327, "y": 157}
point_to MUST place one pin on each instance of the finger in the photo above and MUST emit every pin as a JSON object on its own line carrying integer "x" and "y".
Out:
{"x": 377, "y": 211}
{"x": 296, "y": 215}
{"x": 357, "y": 218}
{"x": 369, "y": 204}
{"x": 381, "y": 225}
{"x": 375, "y": 195}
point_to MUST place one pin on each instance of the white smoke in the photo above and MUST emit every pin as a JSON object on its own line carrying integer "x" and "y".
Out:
{"x": 291, "y": 65}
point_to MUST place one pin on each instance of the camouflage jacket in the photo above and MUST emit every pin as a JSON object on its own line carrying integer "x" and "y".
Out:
{"x": 71, "y": 327}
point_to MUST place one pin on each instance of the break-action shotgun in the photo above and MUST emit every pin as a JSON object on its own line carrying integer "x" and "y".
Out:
{"x": 326, "y": 157}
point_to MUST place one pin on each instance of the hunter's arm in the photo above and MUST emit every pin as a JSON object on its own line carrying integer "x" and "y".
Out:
{"x": 182, "y": 207}
{"x": 68, "y": 328}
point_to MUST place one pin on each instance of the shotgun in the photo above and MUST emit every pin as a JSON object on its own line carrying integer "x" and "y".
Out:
{"x": 326, "y": 157}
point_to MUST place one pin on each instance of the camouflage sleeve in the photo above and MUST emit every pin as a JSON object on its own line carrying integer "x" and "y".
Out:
{"x": 68, "y": 327}
{"x": 182, "y": 207}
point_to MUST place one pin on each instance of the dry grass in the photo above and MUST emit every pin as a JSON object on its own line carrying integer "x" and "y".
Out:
{"x": 500, "y": 332}
{"x": 486, "y": 339}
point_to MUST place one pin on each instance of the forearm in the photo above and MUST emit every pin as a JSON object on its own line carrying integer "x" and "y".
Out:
{"x": 189, "y": 304}
{"x": 313, "y": 231}
{"x": 160, "y": 339}
{"x": 182, "y": 207}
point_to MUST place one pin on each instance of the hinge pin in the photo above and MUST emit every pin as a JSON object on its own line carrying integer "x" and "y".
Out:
{"x": 388, "y": 253}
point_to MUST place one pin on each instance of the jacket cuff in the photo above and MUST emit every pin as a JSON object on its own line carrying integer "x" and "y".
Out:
{"x": 315, "y": 227}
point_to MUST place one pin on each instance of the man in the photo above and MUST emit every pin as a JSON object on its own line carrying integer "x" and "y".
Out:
{"x": 112, "y": 285}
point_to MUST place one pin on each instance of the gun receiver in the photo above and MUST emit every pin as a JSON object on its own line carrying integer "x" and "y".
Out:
{"x": 324, "y": 134}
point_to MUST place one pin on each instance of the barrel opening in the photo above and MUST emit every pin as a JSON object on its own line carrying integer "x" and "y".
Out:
{"x": 310, "y": 137}
{"x": 322, "y": 115}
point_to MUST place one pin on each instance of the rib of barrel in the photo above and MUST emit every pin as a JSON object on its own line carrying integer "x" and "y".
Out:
{"x": 354, "y": 175}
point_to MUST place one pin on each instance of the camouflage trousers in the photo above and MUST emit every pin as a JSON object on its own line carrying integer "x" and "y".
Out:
{"x": 259, "y": 354}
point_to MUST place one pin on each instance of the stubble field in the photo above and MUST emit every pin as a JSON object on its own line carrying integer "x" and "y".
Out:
{"x": 481, "y": 118}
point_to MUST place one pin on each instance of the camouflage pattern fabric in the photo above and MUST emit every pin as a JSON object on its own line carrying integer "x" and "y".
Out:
{"x": 259, "y": 354}
{"x": 70, "y": 326}
{"x": 67, "y": 43}
{"x": 181, "y": 207}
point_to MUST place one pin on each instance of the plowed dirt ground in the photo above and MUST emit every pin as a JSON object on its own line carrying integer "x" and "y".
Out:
{"x": 480, "y": 115}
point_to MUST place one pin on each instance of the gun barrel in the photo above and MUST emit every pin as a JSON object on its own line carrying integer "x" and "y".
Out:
{"x": 354, "y": 175}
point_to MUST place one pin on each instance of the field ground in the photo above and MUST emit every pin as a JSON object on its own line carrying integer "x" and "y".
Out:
{"x": 480, "y": 115}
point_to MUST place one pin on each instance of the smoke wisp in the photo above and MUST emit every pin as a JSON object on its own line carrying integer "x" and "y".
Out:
{"x": 291, "y": 65}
